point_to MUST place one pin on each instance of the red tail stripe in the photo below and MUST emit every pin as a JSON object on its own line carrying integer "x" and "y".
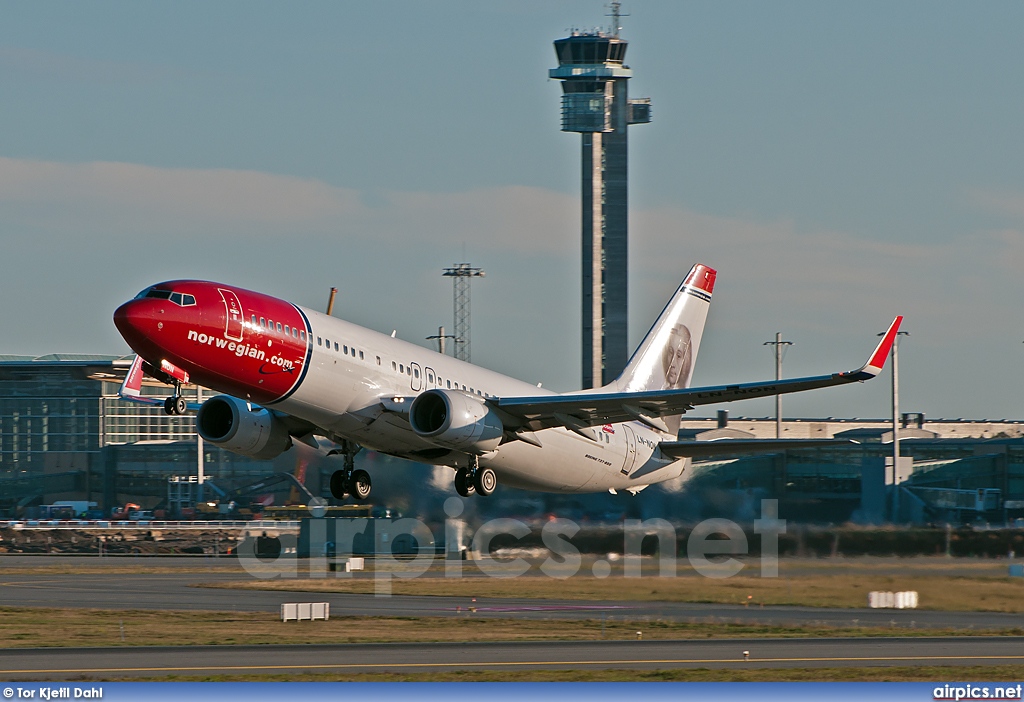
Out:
{"x": 701, "y": 277}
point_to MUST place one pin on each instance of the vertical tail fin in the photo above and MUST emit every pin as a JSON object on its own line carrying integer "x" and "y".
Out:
{"x": 665, "y": 358}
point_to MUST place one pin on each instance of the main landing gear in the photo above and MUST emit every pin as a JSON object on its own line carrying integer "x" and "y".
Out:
{"x": 475, "y": 479}
{"x": 175, "y": 405}
{"x": 350, "y": 481}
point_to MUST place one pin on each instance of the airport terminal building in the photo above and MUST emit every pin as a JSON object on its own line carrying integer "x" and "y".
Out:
{"x": 66, "y": 435}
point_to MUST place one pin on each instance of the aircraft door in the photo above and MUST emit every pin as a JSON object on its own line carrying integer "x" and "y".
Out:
{"x": 232, "y": 314}
{"x": 417, "y": 377}
{"x": 630, "y": 460}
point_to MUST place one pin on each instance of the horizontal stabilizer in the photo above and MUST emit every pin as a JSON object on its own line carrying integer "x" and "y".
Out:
{"x": 728, "y": 447}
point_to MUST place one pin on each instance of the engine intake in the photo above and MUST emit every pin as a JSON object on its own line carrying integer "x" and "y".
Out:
{"x": 456, "y": 420}
{"x": 232, "y": 424}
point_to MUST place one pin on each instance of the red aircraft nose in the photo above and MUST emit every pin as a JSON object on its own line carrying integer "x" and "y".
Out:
{"x": 124, "y": 319}
{"x": 135, "y": 321}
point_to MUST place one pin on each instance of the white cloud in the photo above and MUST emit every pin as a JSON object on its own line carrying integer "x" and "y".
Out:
{"x": 66, "y": 227}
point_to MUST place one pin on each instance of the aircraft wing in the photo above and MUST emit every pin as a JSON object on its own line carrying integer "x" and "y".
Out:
{"x": 579, "y": 411}
{"x": 728, "y": 447}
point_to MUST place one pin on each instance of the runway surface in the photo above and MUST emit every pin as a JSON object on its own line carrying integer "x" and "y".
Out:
{"x": 178, "y": 591}
{"x": 107, "y": 663}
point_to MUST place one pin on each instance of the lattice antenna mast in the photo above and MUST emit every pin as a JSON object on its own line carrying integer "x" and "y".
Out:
{"x": 616, "y": 15}
{"x": 461, "y": 273}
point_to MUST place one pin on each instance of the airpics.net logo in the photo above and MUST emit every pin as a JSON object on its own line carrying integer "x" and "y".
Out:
{"x": 407, "y": 548}
{"x": 967, "y": 693}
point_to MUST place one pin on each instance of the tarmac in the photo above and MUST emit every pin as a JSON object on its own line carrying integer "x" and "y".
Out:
{"x": 246, "y": 661}
{"x": 178, "y": 587}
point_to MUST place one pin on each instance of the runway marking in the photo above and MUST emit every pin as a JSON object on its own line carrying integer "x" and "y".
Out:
{"x": 464, "y": 664}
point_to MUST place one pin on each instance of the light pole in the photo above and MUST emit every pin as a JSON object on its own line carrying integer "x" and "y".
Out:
{"x": 441, "y": 336}
{"x": 779, "y": 345}
{"x": 895, "y": 416}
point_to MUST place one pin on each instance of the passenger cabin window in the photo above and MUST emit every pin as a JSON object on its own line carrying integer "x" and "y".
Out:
{"x": 401, "y": 368}
{"x": 416, "y": 372}
{"x": 302, "y": 335}
{"x": 327, "y": 343}
{"x": 319, "y": 341}
{"x": 263, "y": 322}
{"x": 449, "y": 384}
{"x": 254, "y": 320}
{"x": 394, "y": 366}
{"x": 354, "y": 353}
{"x": 335, "y": 345}
{"x": 286, "y": 332}
{"x": 278, "y": 327}
{"x": 378, "y": 360}
{"x": 361, "y": 357}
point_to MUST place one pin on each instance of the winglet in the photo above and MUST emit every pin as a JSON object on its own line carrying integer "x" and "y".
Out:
{"x": 132, "y": 385}
{"x": 877, "y": 361}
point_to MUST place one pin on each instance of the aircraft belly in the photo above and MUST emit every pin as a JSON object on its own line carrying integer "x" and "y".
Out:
{"x": 332, "y": 396}
{"x": 561, "y": 466}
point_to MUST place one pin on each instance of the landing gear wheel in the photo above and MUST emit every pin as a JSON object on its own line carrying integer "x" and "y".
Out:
{"x": 359, "y": 485}
{"x": 485, "y": 481}
{"x": 463, "y": 485}
{"x": 175, "y": 406}
{"x": 339, "y": 484}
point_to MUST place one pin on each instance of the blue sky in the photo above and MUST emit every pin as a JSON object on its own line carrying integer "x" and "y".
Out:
{"x": 838, "y": 164}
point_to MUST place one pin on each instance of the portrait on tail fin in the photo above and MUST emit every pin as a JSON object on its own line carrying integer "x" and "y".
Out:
{"x": 677, "y": 360}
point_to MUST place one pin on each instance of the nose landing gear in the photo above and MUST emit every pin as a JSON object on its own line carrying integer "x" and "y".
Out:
{"x": 175, "y": 405}
{"x": 350, "y": 481}
{"x": 475, "y": 479}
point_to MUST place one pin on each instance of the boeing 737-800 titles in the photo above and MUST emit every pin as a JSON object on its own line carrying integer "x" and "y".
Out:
{"x": 289, "y": 374}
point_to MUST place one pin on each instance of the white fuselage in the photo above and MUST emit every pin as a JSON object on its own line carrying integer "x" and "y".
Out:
{"x": 342, "y": 390}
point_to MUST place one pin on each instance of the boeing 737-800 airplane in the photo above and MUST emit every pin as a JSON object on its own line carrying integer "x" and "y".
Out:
{"x": 289, "y": 373}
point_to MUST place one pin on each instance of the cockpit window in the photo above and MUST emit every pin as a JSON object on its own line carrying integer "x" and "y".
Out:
{"x": 183, "y": 299}
{"x": 177, "y": 298}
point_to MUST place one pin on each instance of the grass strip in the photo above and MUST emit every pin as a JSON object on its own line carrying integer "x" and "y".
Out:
{"x": 944, "y": 593}
{"x": 22, "y": 627}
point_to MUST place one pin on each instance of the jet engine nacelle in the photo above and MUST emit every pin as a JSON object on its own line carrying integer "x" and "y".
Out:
{"x": 456, "y": 420}
{"x": 234, "y": 425}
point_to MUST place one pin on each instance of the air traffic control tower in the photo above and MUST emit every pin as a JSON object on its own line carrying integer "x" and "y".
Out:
{"x": 595, "y": 103}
